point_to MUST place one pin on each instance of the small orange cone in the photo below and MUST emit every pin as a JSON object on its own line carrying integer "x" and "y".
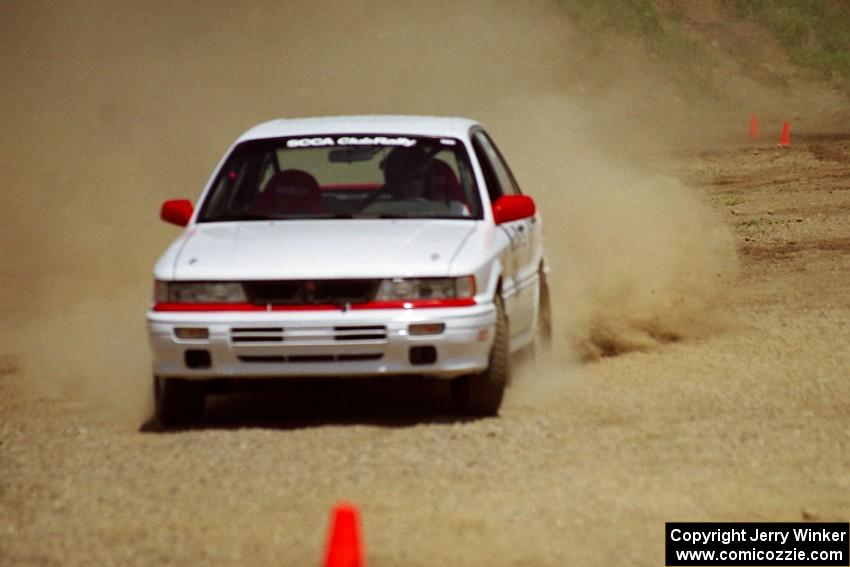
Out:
{"x": 785, "y": 138}
{"x": 754, "y": 127}
{"x": 344, "y": 545}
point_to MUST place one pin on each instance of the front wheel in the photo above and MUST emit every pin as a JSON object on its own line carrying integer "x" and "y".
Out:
{"x": 178, "y": 401}
{"x": 481, "y": 394}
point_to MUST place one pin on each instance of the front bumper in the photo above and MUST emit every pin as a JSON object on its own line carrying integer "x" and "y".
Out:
{"x": 279, "y": 344}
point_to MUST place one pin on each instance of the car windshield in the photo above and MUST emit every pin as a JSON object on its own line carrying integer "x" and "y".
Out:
{"x": 344, "y": 176}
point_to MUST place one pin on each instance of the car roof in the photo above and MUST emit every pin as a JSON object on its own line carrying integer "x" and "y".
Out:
{"x": 388, "y": 124}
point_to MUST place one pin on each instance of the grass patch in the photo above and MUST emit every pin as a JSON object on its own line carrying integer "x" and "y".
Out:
{"x": 816, "y": 33}
{"x": 630, "y": 16}
{"x": 665, "y": 39}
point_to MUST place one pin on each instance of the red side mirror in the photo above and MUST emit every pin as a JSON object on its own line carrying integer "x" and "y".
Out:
{"x": 509, "y": 208}
{"x": 176, "y": 211}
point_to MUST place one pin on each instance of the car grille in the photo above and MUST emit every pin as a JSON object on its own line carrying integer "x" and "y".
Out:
{"x": 308, "y": 343}
{"x": 311, "y": 292}
{"x": 311, "y": 358}
{"x": 326, "y": 335}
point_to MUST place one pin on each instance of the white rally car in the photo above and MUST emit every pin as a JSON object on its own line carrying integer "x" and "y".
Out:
{"x": 350, "y": 246}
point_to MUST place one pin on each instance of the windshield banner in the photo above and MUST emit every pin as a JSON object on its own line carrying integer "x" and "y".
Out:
{"x": 350, "y": 141}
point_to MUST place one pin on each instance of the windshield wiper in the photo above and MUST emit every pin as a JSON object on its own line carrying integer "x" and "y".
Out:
{"x": 238, "y": 217}
{"x": 380, "y": 216}
{"x": 248, "y": 216}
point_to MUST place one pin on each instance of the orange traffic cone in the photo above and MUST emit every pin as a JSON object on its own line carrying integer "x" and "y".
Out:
{"x": 344, "y": 545}
{"x": 754, "y": 127}
{"x": 785, "y": 138}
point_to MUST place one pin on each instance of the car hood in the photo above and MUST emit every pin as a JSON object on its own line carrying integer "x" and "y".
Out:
{"x": 320, "y": 249}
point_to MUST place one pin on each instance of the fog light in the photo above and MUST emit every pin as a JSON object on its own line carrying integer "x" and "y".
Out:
{"x": 426, "y": 328}
{"x": 423, "y": 355}
{"x": 192, "y": 332}
{"x": 196, "y": 358}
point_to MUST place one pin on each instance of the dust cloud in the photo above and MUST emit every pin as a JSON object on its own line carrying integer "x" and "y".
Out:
{"x": 111, "y": 108}
{"x": 637, "y": 257}
{"x": 643, "y": 260}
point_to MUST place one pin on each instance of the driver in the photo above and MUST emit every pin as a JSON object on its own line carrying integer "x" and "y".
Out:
{"x": 414, "y": 174}
{"x": 406, "y": 173}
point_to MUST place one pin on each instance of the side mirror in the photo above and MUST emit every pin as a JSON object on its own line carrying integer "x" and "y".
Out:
{"x": 176, "y": 211}
{"x": 509, "y": 208}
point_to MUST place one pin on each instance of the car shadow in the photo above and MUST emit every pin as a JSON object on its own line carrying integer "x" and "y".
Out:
{"x": 298, "y": 404}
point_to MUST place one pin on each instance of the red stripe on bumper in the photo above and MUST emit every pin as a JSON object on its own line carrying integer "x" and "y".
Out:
{"x": 414, "y": 304}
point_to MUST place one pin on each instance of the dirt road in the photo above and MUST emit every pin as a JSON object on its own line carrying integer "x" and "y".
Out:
{"x": 747, "y": 423}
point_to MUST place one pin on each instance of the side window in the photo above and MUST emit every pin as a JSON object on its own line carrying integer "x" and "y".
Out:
{"x": 494, "y": 188}
{"x": 487, "y": 152}
{"x": 267, "y": 169}
{"x": 238, "y": 183}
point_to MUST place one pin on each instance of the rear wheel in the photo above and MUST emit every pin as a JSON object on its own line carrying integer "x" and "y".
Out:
{"x": 543, "y": 336}
{"x": 482, "y": 393}
{"x": 178, "y": 401}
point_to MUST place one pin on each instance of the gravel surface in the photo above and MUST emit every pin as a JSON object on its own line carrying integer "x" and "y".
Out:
{"x": 585, "y": 464}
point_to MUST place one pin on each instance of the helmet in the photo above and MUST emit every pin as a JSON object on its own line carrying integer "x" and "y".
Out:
{"x": 403, "y": 164}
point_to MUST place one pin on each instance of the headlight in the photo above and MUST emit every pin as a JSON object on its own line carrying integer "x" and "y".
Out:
{"x": 426, "y": 288}
{"x": 198, "y": 292}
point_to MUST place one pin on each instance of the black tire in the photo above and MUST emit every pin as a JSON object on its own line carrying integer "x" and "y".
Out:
{"x": 543, "y": 337}
{"x": 178, "y": 401}
{"x": 481, "y": 394}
